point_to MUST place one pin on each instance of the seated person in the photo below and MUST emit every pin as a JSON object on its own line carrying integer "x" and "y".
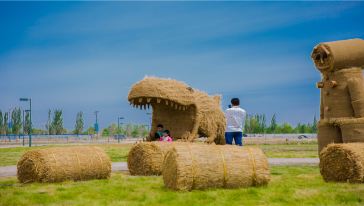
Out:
{"x": 158, "y": 134}
{"x": 166, "y": 137}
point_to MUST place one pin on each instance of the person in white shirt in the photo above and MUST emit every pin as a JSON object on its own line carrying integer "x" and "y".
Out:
{"x": 235, "y": 120}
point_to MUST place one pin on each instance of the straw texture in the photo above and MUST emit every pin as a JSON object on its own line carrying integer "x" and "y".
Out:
{"x": 63, "y": 163}
{"x": 195, "y": 166}
{"x": 343, "y": 163}
{"x": 146, "y": 158}
{"x": 339, "y": 54}
{"x": 188, "y": 113}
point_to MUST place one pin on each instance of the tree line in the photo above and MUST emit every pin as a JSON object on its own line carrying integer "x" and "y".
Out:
{"x": 54, "y": 126}
{"x": 15, "y": 125}
{"x": 257, "y": 124}
{"x": 12, "y": 123}
{"x": 129, "y": 130}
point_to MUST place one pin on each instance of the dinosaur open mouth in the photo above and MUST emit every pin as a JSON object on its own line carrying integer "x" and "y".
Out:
{"x": 179, "y": 119}
{"x": 146, "y": 102}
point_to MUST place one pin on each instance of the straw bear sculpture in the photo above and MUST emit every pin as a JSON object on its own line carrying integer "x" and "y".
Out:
{"x": 186, "y": 112}
{"x": 342, "y": 91}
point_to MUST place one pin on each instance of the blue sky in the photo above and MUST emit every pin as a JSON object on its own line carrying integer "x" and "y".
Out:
{"x": 84, "y": 56}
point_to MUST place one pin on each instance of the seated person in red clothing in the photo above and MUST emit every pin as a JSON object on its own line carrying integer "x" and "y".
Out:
{"x": 166, "y": 137}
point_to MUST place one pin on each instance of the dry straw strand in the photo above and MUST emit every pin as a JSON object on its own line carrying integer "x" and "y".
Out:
{"x": 63, "y": 163}
{"x": 253, "y": 165}
{"x": 224, "y": 166}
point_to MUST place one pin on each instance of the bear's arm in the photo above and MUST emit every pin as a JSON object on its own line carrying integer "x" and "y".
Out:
{"x": 356, "y": 90}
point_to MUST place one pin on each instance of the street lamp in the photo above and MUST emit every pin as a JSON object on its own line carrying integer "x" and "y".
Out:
{"x": 24, "y": 112}
{"x": 30, "y": 112}
{"x": 119, "y": 118}
{"x": 96, "y": 124}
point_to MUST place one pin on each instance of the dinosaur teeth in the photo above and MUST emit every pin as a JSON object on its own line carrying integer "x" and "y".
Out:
{"x": 146, "y": 103}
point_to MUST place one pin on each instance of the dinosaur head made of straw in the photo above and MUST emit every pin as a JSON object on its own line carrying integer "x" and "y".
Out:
{"x": 173, "y": 104}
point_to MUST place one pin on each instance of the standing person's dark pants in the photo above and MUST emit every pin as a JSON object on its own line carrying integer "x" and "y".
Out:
{"x": 237, "y": 136}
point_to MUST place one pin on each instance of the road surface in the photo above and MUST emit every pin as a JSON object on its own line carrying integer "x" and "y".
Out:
{"x": 10, "y": 171}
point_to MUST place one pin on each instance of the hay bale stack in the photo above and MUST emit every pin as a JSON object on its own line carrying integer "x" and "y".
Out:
{"x": 343, "y": 163}
{"x": 63, "y": 163}
{"x": 196, "y": 166}
{"x": 146, "y": 158}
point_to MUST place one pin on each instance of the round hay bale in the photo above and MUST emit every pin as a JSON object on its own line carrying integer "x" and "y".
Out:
{"x": 146, "y": 158}
{"x": 197, "y": 166}
{"x": 343, "y": 163}
{"x": 63, "y": 163}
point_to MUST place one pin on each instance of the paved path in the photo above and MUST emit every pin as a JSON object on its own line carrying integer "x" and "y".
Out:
{"x": 9, "y": 171}
{"x": 293, "y": 161}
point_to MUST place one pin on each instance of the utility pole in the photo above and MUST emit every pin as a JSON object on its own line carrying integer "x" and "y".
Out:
{"x": 119, "y": 118}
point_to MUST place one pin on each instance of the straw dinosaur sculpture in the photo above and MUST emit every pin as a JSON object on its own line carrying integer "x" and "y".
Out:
{"x": 186, "y": 112}
{"x": 342, "y": 91}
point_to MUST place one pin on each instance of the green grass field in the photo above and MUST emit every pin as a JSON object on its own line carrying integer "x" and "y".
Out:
{"x": 290, "y": 150}
{"x": 119, "y": 152}
{"x": 116, "y": 152}
{"x": 289, "y": 186}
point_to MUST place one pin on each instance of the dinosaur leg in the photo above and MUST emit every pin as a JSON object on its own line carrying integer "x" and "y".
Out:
{"x": 220, "y": 135}
{"x": 187, "y": 137}
{"x": 211, "y": 138}
{"x": 220, "y": 139}
{"x": 194, "y": 133}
